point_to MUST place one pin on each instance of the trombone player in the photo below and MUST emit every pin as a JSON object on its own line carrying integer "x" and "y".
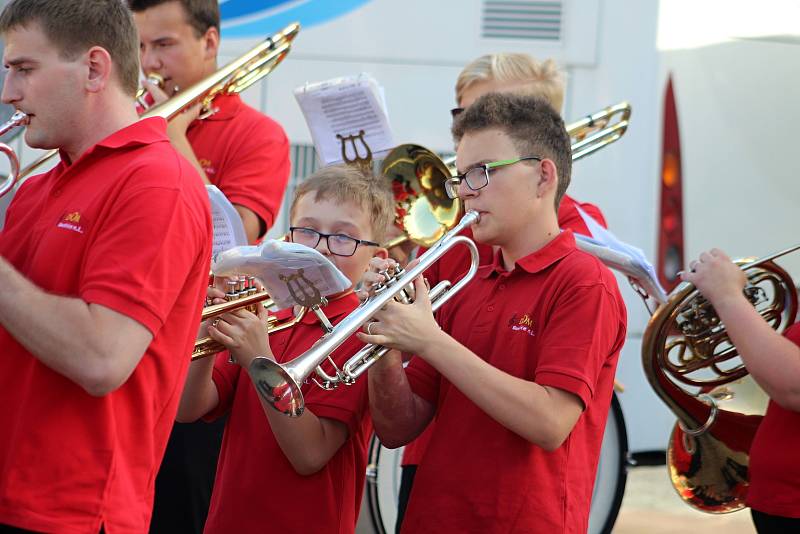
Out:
{"x": 103, "y": 262}
{"x": 246, "y": 155}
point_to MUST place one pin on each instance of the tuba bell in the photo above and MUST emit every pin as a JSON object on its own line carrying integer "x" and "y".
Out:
{"x": 695, "y": 369}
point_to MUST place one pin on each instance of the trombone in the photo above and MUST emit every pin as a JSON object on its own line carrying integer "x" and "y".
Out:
{"x": 425, "y": 212}
{"x": 233, "y": 78}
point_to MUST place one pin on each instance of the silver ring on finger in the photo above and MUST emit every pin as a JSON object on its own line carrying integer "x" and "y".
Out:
{"x": 369, "y": 325}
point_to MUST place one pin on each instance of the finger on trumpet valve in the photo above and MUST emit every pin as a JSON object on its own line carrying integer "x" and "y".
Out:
{"x": 251, "y": 289}
{"x": 231, "y": 293}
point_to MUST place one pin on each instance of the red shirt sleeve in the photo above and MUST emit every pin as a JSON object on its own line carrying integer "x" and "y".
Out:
{"x": 131, "y": 264}
{"x": 256, "y": 177}
{"x": 570, "y": 219}
{"x": 572, "y": 354}
{"x": 424, "y": 379}
{"x": 225, "y": 377}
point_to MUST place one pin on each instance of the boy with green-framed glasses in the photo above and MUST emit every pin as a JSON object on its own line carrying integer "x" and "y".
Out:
{"x": 520, "y": 374}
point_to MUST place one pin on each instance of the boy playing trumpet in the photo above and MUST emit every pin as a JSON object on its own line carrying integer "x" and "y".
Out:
{"x": 274, "y": 469}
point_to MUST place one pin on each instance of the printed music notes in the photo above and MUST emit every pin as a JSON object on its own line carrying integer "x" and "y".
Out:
{"x": 347, "y": 118}
{"x": 228, "y": 227}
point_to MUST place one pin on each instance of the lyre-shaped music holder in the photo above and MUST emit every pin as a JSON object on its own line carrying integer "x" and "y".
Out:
{"x": 365, "y": 161}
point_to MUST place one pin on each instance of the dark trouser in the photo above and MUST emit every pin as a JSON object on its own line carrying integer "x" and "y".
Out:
{"x": 186, "y": 478}
{"x": 406, "y": 481}
{"x": 774, "y": 524}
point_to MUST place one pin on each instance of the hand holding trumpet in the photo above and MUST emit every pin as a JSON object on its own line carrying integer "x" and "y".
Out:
{"x": 408, "y": 327}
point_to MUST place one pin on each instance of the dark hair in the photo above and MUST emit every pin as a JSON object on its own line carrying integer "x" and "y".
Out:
{"x": 200, "y": 14}
{"x": 74, "y": 26}
{"x": 533, "y": 125}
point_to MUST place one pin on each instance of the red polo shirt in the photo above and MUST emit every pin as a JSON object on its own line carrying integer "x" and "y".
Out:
{"x": 774, "y": 470}
{"x": 455, "y": 264}
{"x": 126, "y": 226}
{"x": 245, "y": 154}
{"x": 556, "y": 319}
{"x": 256, "y": 488}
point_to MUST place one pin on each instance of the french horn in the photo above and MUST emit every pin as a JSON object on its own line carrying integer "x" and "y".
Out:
{"x": 696, "y": 370}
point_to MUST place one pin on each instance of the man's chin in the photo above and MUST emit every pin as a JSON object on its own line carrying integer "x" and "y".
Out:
{"x": 33, "y": 140}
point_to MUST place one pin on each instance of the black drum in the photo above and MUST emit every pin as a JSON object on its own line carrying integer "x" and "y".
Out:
{"x": 383, "y": 480}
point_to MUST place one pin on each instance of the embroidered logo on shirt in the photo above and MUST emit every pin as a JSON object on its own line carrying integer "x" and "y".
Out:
{"x": 207, "y": 167}
{"x": 71, "y": 221}
{"x": 522, "y": 324}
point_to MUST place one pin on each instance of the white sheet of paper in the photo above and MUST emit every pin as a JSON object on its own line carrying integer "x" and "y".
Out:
{"x": 290, "y": 272}
{"x": 345, "y": 106}
{"x": 228, "y": 227}
{"x": 620, "y": 256}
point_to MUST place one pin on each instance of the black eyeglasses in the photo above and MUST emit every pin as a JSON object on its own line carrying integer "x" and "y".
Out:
{"x": 338, "y": 244}
{"x": 478, "y": 176}
{"x": 455, "y": 112}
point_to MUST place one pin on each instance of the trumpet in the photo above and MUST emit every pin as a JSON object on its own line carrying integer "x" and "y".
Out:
{"x": 233, "y": 78}
{"x": 17, "y": 119}
{"x": 241, "y": 293}
{"x": 280, "y": 384}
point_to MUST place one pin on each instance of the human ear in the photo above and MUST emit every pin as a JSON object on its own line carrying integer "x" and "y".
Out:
{"x": 548, "y": 178}
{"x": 99, "y": 66}
{"x": 381, "y": 253}
{"x": 211, "y": 44}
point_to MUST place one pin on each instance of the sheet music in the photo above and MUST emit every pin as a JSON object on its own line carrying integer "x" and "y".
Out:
{"x": 344, "y": 106}
{"x": 290, "y": 272}
{"x": 228, "y": 227}
{"x": 620, "y": 256}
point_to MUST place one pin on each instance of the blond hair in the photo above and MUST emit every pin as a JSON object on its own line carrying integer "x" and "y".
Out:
{"x": 544, "y": 79}
{"x": 346, "y": 183}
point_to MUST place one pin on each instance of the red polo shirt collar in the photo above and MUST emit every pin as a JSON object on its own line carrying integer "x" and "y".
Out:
{"x": 336, "y": 307}
{"x": 142, "y": 132}
{"x": 562, "y": 245}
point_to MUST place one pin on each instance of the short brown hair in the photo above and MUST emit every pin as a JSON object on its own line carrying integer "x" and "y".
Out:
{"x": 535, "y": 128}
{"x": 200, "y": 14}
{"x": 347, "y": 183}
{"x": 542, "y": 78}
{"x": 74, "y": 26}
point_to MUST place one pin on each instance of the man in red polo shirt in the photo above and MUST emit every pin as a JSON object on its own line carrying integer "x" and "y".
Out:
{"x": 246, "y": 155}
{"x": 520, "y": 375}
{"x": 103, "y": 268}
{"x": 505, "y": 73}
{"x": 774, "y": 362}
{"x": 236, "y": 148}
